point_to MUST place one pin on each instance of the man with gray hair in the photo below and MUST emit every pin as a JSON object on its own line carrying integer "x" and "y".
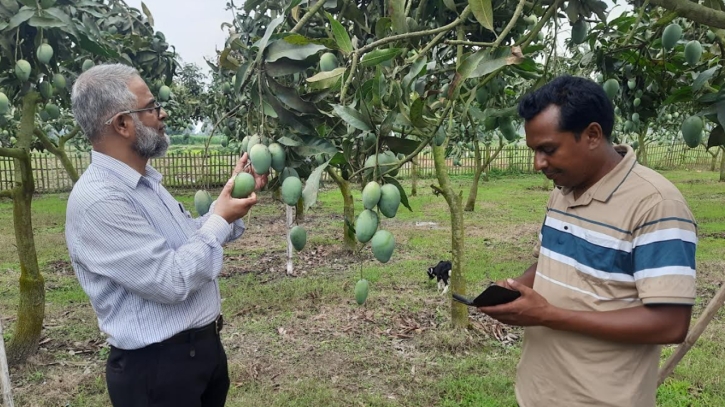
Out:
{"x": 149, "y": 269}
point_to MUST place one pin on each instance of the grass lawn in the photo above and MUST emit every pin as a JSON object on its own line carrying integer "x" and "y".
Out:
{"x": 303, "y": 341}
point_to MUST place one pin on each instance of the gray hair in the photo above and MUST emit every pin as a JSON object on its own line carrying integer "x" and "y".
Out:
{"x": 99, "y": 93}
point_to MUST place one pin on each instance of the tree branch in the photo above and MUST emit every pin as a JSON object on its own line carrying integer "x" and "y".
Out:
{"x": 534, "y": 31}
{"x": 12, "y": 153}
{"x": 636, "y": 23}
{"x": 70, "y": 135}
{"x": 311, "y": 12}
{"x": 40, "y": 134}
{"x": 414, "y": 34}
{"x": 511, "y": 24}
{"x": 695, "y": 12}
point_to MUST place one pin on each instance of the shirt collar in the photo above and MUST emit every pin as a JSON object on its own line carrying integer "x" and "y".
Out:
{"x": 123, "y": 171}
{"x": 606, "y": 187}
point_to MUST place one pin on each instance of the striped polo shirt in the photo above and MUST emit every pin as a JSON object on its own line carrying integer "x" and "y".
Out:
{"x": 627, "y": 241}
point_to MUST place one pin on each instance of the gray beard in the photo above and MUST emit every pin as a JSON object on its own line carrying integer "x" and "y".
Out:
{"x": 148, "y": 143}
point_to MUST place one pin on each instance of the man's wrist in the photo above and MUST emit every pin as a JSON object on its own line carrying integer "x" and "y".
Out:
{"x": 554, "y": 317}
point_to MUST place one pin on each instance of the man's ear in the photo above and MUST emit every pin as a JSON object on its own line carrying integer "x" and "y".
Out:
{"x": 594, "y": 135}
{"x": 122, "y": 125}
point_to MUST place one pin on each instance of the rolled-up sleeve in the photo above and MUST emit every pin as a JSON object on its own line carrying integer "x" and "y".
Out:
{"x": 237, "y": 227}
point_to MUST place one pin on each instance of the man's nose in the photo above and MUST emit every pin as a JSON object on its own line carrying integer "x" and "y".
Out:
{"x": 162, "y": 114}
{"x": 540, "y": 162}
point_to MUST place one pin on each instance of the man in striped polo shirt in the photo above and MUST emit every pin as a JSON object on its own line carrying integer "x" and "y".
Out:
{"x": 615, "y": 276}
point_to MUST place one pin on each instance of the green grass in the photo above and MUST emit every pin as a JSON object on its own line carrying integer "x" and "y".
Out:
{"x": 303, "y": 341}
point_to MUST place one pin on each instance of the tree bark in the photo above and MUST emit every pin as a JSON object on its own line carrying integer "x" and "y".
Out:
{"x": 31, "y": 308}
{"x": 694, "y": 11}
{"x": 348, "y": 209}
{"x": 459, "y": 313}
{"x": 59, "y": 150}
{"x": 473, "y": 193}
{"x": 713, "y": 163}
{"x": 642, "y": 148}
{"x": 722, "y": 165}
{"x": 414, "y": 176}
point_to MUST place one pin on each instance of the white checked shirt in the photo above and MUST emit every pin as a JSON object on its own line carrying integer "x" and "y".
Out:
{"x": 148, "y": 267}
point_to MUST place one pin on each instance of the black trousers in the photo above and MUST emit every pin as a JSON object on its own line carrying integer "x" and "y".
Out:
{"x": 192, "y": 373}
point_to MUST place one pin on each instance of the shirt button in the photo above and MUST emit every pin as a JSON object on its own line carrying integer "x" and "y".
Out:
{"x": 566, "y": 227}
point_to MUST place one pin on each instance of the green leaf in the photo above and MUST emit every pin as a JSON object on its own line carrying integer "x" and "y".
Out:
{"x": 285, "y": 116}
{"x": 29, "y": 3}
{"x": 338, "y": 158}
{"x": 483, "y": 11}
{"x": 285, "y": 66}
{"x": 290, "y": 141}
{"x": 382, "y": 26}
{"x": 60, "y": 15}
{"x": 387, "y": 126}
{"x": 379, "y": 55}
{"x": 293, "y": 4}
{"x": 680, "y": 95}
{"x": 401, "y": 145}
{"x": 450, "y": 4}
{"x": 352, "y": 117}
{"x": 45, "y": 22}
{"x": 262, "y": 43}
{"x": 10, "y": 5}
{"x": 324, "y": 80}
{"x": 486, "y": 66}
{"x": 289, "y": 97}
{"x": 717, "y": 137}
{"x": 284, "y": 49}
{"x": 415, "y": 70}
{"x": 241, "y": 76}
{"x": 702, "y": 78}
{"x": 403, "y": 196}
{"x": 396, "y": 11}
{"x": 313, "y": 145}
{"x": 721, "y": 112}
{"x": 416, "y": 113}
{"x": 148, "y": 14}
{"x": 250, "y": 5}
{"x": 95, "y": 48}
{"x": 312, "y": 185}
{"x": 22, "y": 16}
{"x": 342, "y": 38}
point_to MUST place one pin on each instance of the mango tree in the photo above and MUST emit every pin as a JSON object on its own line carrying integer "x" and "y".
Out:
{"x": 655, "y": 65}
{"x": 43, "y": 46}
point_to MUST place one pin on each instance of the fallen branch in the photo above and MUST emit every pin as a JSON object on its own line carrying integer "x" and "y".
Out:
{"x": 5, "y": 374}
{"x": 710, "y": 311}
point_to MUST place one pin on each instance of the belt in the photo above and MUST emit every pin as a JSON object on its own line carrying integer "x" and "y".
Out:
{"x": 190, "y": 335}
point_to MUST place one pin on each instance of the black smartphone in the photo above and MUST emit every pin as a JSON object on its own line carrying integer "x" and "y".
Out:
{"x": 492, "y": 295}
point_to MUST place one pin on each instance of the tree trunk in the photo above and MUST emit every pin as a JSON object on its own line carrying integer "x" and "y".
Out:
{"x": 642, "y": 149}
{"x": 459, "y": 312}
{"x": 722, "y": 165}
{"x": 31, "y": 308}
{"x": 473, "y": 193}
{"x": 713, "y": 163}
{"x": 480, "y": 167}
{"x": 414, "y": 176}
{"x": 348, "y": 235}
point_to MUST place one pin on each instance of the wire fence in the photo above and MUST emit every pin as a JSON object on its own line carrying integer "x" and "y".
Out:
{"x": 185, "y": 169}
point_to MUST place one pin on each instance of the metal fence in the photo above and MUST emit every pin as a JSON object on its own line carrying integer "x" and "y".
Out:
{"x": 185, "y": 169}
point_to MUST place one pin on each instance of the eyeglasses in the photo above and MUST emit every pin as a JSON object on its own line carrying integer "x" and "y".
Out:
{"x": 156, "y": 107}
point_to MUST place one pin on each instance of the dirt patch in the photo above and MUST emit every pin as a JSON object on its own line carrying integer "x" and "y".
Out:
{"x": 714, "y": 235}
{"x": 61, "y": 267}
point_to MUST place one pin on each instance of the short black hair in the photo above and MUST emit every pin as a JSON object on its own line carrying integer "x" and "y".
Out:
{"x": 581, "y": 102}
